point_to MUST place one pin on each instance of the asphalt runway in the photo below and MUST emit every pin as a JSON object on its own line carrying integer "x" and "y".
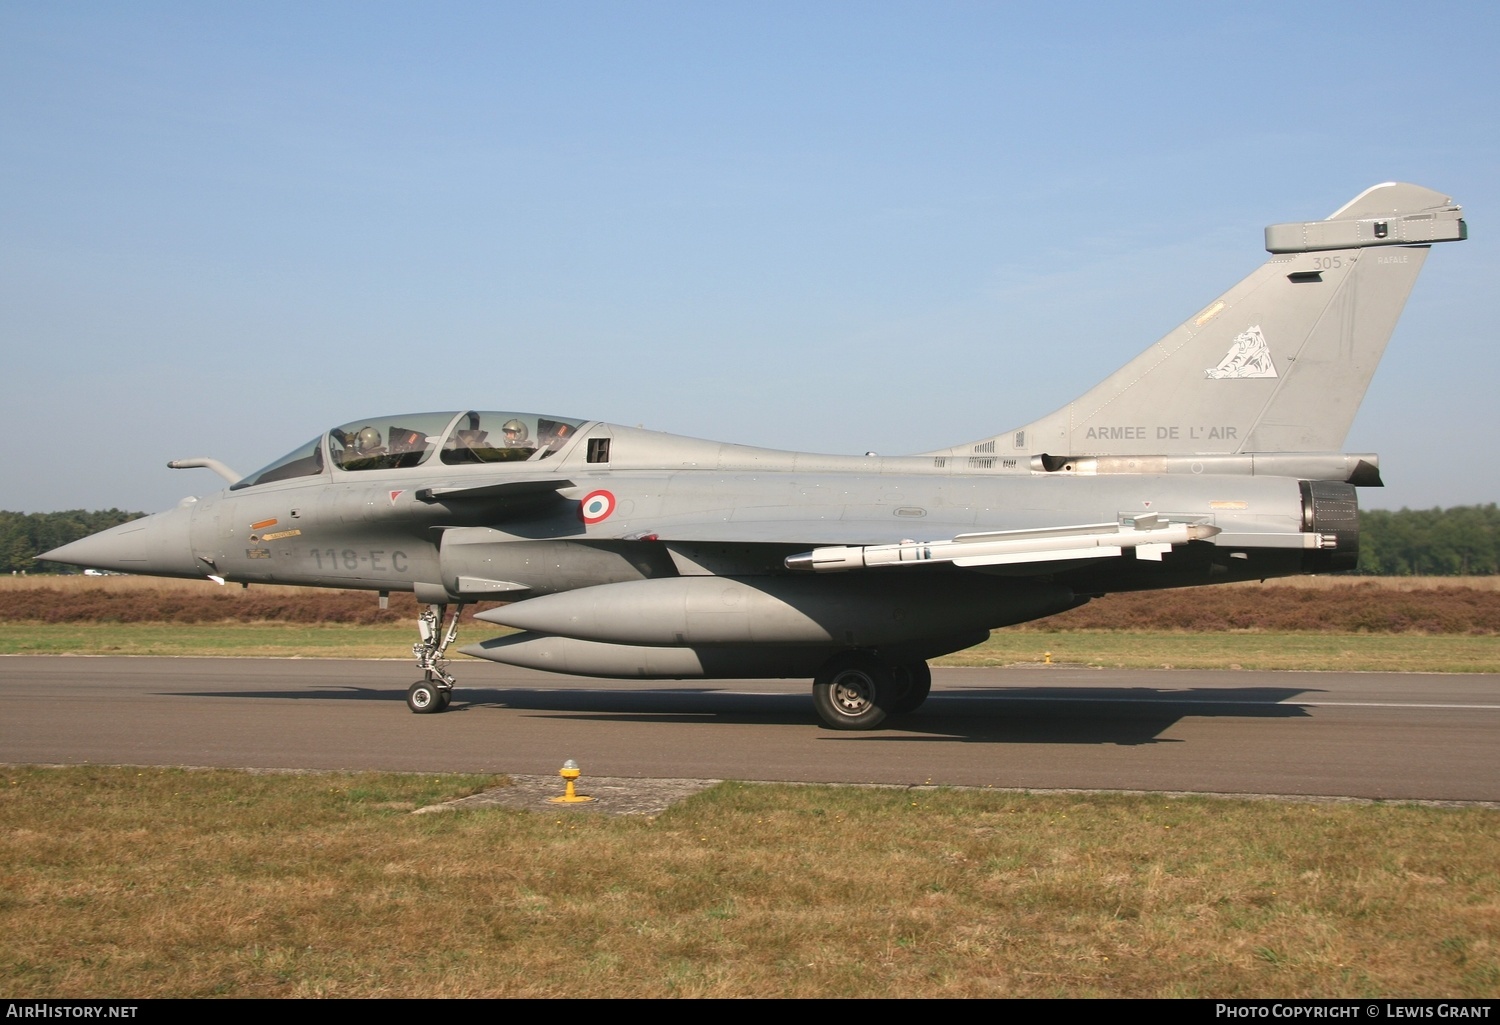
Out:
{"x": 1371, "y": 735}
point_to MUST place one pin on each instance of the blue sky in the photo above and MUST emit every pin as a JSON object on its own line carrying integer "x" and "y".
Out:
{"x": 828, "y": 226}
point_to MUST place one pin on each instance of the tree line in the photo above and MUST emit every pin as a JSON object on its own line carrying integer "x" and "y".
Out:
{"x": 1461, "y": 541}
{"x": 25, "y": 535}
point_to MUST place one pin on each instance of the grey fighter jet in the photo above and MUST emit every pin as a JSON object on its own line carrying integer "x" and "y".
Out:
{"x": 1213, "y": 456}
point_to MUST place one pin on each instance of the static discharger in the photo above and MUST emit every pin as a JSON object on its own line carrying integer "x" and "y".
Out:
{"x": 570, "y": 772}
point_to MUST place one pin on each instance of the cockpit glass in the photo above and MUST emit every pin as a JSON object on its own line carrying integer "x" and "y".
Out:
{"x": 386, "y": 443}
{"x": 506, "y": 437}
{"x": 306, "y": 461}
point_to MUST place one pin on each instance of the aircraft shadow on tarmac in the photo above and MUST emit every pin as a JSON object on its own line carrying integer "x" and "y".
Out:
{"x": 1013, "y": 715}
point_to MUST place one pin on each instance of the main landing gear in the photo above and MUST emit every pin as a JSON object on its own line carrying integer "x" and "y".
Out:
{"x": 434, "y": 691}
{"x": 856, "y": 690}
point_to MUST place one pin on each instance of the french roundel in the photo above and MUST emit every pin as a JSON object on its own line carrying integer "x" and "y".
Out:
{"x": 596, "y": 506}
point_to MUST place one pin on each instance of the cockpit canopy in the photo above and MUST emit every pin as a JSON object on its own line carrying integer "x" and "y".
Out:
{"x": 506, "y": 437}
{"x": 387, "y": 443}
{"x": 399, "y": 442}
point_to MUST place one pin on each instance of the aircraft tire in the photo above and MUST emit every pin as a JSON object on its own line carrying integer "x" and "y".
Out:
{"x": 446, "y": 697}
{"x": 424, "y": 699}
{"x": 853, "y": 691}
{"x": 913, "y": 684}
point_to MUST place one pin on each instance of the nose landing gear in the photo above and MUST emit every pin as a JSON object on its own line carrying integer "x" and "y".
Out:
{"x": 434, "y": 691}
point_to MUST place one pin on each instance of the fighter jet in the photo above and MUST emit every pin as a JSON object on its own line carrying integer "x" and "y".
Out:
{"x": 1213, "y": 456}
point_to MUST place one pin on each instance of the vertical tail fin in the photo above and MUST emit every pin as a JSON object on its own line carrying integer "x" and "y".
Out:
{"x": 1280, "y": 362}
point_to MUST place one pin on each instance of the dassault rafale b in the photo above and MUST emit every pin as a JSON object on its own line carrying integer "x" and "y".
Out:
{"x": 1213, "y": 456}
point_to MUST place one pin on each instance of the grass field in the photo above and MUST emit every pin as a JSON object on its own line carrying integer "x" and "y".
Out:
{"x": 1446, "y": 653}
{"x": 167, "y": 882}
{"x": 1340, "y": 623}
{"x": 249, "y": 640}
{"x": 1146, "y": 649}
{"x": 134, "y": 882}
{"x": 75, "y": 582}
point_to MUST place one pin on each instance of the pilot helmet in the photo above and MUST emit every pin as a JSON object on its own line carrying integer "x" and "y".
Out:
{"x": 515, "y": 431}
{"x": 367, "y": 440}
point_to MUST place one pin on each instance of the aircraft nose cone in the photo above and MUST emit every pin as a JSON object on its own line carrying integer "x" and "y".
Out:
{"x": 157, "y": 545}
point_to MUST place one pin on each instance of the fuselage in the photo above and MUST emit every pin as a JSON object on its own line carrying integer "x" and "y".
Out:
{"x": 612, "y": 504}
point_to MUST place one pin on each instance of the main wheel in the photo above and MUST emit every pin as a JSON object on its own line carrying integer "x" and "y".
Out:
{"x": 913, "y": 684}
{"x": 853, "y": 691}
{"x": 445, "y": 696}
{"x": 423, "y": 698}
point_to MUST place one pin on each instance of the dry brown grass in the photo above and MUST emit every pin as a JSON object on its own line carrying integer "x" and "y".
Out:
{"x": 1130, "y": 649}
{"x": 1336, "y": 605}
{"x": 76, "y": 582}
{"x": 136, "y": 600}
{"x": 1326, "y": 583}
{"x": 160, "y": 882}
{"x": 1357, "y": 608}
{"x": 1349, "y": 623}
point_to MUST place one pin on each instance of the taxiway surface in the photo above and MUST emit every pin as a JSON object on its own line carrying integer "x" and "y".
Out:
{"x": 1374, "y": 735}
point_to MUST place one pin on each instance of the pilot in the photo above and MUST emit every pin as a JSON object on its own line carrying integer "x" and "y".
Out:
{"x": 367, "y": 442}
{"x": 516, "y": 434}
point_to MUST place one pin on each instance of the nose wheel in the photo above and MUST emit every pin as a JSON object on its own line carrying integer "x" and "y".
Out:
{"x": 434, "y": 691}
{"x": 425, "y": 697}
